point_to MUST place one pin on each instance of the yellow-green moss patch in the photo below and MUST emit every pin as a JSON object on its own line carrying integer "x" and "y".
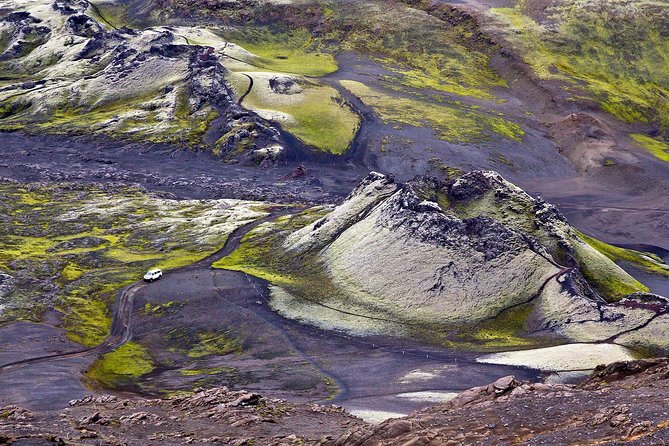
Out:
{"x": 659, "y": 149}
{"x": 452, "y": 124}
{"x": 294, "y": 51}
{"x": 506, "y": 330}
{"x": 125, "y": 364}
{"x": 72, "y": 272}
{"x": 649, "y": 261}
{"x": 619, "y": 57}
{"x": 88, "y": 243}
{"x": 198, "y": 372}
{"x": 210, "y": 344}
{"x": 418, "y": 48}
{"x": 318, "y": 115}
{"x": 609, "y": 281}
{"x": 86, "y": 320}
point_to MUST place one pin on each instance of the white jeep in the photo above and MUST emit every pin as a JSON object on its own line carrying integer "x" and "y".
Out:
{"x": 153, "y": 274}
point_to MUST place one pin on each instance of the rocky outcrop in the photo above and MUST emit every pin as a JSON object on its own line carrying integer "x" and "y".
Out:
{"x": 616, "y": 404}
{"x": 369, "y": 193}
{"x": 284, "y": 85}
{"x": 211, "y": 416}
{"x": 20, "y": 32}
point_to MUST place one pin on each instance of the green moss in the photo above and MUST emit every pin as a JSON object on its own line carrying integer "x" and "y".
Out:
{"x": 648, "y": 261}
{"x": 504, "y": 160}
{"x": 122, "y": 366}
{"x": 443, "y": 201}
{"x": 294, "y": 51}
{"x": 506, "y": 330}
{"x": 657, "y": 148}
{"x": 451, "y": 123}
{"x": 619, "y": 57}
{"x": 420, "y": 49}
{"x": 417, "y": 48}
{"x": 12, "y": 107}
{"x": 87, "y": 321}
{"x": 164, "y": 260}
{"x": 25, "y": 247}
{"x": 210, "y": 344}
{"x": 139, "y": 232}
{"x": 437, "y": 47}
{"x": 158, "y": 310}
{"x": 114, "y": 15}
{"x": 71, "y": 272}
{"x": 259, "y": 253}
{"x": 318, "y": 116}
{"x": 451, "y": 172}
{"x": 608, "y": 279}
{"x": 331, "y": 387}
{"x": 197, "y": 372}
{"x": 131, "y": 118}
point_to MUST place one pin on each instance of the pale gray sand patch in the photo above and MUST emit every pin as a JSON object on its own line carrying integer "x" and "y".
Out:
{"x": 562, "y": 357}
{"x": 434, "y": 396}
{"x": 375, "y": 416}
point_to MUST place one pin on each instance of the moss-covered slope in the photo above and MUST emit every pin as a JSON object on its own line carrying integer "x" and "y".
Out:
{"x": 73, "y": 248}
{"x": 78, "y": 75}
{"x": 471, "y": 260}
{"x": 613, "y": 52}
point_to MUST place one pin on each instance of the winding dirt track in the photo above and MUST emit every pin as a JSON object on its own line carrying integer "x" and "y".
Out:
{"x": 121, "y": 328}
{"x": 120, "y": 332}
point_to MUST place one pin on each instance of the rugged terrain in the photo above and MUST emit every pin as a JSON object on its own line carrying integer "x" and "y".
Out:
{"x": 618, "y": 404}
{"x": 401, "y": 87}
{"x": 517, "y": 225}
{"x": 472, "y": 259}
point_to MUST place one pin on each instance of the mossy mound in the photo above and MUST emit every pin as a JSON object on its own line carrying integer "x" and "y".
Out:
{"x": 148, "y": 85}
{"x": 122, "y": 366}
{"x": 472, "y": 261}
